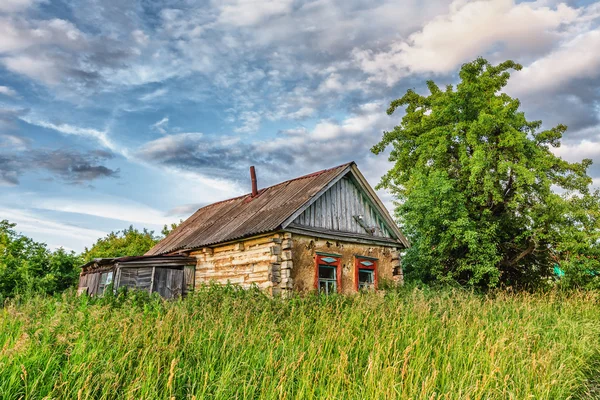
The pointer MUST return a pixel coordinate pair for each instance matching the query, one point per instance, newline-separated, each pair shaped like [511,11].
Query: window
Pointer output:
[327,279]
[365,273]
[328,274]
[105,280]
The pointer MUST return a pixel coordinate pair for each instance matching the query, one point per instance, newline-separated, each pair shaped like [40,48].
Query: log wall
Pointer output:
[255,261]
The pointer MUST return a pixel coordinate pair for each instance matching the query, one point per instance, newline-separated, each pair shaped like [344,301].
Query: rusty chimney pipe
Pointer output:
[253,178]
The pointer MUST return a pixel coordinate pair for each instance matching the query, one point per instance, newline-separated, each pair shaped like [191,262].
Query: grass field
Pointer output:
[223,343]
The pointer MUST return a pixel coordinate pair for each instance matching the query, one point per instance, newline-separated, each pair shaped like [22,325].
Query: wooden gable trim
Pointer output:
[377,204]
[300,210]
[343,236]
[370,195]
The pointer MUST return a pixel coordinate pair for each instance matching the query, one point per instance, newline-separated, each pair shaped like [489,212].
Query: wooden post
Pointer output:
[182,280]
[117,279]
[152,280]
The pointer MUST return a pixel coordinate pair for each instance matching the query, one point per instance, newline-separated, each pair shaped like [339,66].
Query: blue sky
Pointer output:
[138,112]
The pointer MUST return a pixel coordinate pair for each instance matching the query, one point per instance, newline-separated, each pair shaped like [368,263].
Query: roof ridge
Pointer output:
[217,221]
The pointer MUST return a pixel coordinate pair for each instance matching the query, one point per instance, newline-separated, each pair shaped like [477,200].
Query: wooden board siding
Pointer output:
[245,263]
[168,282]
[138,278]
[92,283]
[189,276]
[305,248]
[336,209]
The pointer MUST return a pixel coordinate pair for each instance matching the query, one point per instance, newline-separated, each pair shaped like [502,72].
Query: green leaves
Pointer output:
[28,266]
[474,182]
[128,242]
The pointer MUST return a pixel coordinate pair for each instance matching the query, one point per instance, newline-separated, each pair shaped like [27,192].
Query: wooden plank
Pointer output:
[323,219]
[190,273]
[345,209]
[117,278]
[82,281]
[93,281]
[182,283]
[343,236]
[336,206]
[152,279]
[315,197]
[177,283]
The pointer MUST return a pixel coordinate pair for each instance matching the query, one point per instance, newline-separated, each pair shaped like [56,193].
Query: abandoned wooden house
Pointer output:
[327,231]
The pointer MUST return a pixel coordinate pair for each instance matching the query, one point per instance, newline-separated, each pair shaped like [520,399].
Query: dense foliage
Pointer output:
[28,266]
[224,343]
[167,229]
[481,195]
[128,242]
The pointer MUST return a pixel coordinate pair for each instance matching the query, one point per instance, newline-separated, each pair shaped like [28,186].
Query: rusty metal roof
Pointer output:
[246,215]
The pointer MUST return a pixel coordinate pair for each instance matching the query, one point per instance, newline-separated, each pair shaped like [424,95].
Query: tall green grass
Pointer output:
[225,343]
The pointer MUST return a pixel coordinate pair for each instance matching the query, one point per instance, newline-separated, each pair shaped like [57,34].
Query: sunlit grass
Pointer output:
[224,343]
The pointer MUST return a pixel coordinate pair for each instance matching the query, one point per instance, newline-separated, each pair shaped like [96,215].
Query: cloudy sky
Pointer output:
[137,112]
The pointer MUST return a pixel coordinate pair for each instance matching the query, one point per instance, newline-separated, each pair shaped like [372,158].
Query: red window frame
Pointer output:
[358,265]
[338,269]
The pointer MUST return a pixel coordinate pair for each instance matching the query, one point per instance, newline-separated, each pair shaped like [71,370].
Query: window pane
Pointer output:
[327,281]
[326,272]
[366,279]
[365,275]
[330,287]
[322,286]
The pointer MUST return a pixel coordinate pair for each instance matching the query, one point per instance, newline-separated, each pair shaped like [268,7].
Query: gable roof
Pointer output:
[272,209]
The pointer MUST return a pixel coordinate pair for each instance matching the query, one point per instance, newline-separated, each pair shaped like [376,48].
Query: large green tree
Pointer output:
[28,266]
[480,194]
[128,242]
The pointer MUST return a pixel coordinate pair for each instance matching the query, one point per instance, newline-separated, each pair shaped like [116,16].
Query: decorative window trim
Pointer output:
[363,262]
[325,259]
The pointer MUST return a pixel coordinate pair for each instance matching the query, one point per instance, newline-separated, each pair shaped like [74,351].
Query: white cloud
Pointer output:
[140,37]
[154,95]
[575,59]
[251,12]
[352,126]
[8,6]
[172,143]
[250,122]
[161,126]
[39,68]
[54,233]
[468,30]
[349,139]
[18,34]
[5,90]
[101,137]
[579,151]
[12,142]
[121,209]
[303,112]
